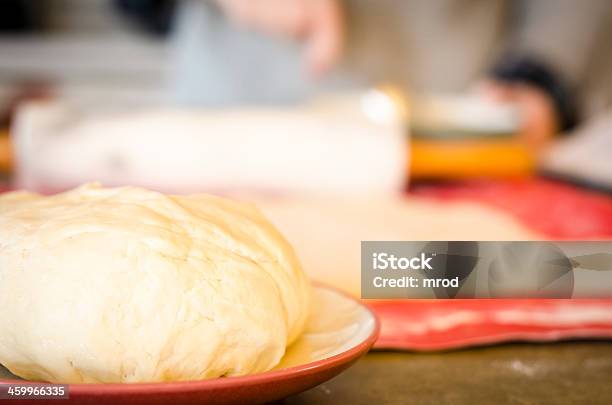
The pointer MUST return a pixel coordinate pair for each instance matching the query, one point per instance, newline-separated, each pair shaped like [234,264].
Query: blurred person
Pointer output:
[547,56]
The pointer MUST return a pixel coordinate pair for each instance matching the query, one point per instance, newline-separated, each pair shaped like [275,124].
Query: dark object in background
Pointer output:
[154,16]
[22,16]
[576,180]
[521,69]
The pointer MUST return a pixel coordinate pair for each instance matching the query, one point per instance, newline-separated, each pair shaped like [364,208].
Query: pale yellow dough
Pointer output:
[129,285]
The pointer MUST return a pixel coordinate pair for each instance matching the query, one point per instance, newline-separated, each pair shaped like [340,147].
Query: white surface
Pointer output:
[464,113]
[329,146]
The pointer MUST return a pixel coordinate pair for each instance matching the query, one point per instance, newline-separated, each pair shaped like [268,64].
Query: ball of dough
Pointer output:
[129,285]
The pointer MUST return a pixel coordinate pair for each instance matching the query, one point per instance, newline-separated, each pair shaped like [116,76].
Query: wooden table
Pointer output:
[557,373]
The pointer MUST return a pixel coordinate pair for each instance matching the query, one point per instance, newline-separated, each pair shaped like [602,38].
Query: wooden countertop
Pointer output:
[559,373]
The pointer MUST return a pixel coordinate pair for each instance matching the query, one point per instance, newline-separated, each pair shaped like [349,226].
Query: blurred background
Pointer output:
[446,119]
[478,89]
[344,121]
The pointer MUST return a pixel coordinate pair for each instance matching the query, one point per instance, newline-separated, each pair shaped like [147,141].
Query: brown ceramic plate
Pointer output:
[340,330]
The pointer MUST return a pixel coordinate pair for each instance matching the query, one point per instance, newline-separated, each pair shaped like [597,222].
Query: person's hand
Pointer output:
[318,23]
[539,119]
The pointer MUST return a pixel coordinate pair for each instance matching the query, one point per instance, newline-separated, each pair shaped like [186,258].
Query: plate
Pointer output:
[339,331]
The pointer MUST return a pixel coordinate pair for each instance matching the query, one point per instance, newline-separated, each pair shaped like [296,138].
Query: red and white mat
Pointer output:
[449,324]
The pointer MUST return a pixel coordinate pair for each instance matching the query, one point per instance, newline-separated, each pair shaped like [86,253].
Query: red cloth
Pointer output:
[448,324]
[557,210]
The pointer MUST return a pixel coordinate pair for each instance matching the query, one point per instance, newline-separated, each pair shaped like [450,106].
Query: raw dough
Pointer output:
[129,285]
